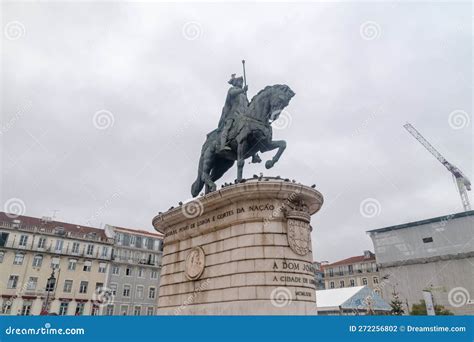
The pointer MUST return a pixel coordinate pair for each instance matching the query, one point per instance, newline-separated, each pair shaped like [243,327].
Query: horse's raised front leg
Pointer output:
[280,145]
[240,159]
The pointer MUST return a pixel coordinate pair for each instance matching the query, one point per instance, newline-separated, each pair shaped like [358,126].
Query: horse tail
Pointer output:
[199,183]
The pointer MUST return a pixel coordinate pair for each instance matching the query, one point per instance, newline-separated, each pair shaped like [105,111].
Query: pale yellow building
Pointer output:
[31,248]
[360,270]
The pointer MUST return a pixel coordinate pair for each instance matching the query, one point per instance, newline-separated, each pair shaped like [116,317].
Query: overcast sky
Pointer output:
[105,106]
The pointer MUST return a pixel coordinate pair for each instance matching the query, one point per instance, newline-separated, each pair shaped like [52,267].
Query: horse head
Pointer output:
[269,102]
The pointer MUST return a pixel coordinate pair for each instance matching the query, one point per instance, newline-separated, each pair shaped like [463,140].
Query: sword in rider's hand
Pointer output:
[245,78]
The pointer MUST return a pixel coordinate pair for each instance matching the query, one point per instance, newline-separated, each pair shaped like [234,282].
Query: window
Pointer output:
[115,270]
[63,308]
[109,310]
[128,272]
[331,285]
[149,311]
[427,239]
[75,248]
[67,286]
[124,310]
[2,255]
[126,291]
[90,249]
[133,238]
[3,239]
[102,267]
[151,293]
[341,270]
[6,306]
[41,242]
[364,281]
[113,289]
[126,240]
[351,269]
[79,309]
[83,287]
[140,272]
[352,282]
[154,274]
[71,266]
[23,240]
[50,284]
[341,283]
[32,283]
[137,311]
[18,259]
[55,262]
[26,308]
[59,245]
[87,266]
[376,280]
[119,238]
[12,282]
[149,243]
[138,242]
[105,251]
[331,272]
[98,286]
[37,260]
[139,292]
[95,310]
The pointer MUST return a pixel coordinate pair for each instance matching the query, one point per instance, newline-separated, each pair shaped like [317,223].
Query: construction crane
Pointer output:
[463,183]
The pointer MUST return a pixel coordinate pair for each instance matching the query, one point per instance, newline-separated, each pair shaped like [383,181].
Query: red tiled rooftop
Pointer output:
[27,221]
[351,260]
[140,231]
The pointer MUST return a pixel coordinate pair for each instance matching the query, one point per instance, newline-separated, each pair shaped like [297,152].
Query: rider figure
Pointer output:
[235,103]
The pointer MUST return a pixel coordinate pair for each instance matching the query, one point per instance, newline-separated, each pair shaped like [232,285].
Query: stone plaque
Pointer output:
[194,263]
[299,232]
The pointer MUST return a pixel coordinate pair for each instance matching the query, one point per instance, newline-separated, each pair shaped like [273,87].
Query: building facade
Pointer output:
[49,266]
[359,270]
[434,255]
[135,271]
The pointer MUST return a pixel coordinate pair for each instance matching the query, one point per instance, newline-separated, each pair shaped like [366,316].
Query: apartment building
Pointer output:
[360,270]
[50,267]
[135,271]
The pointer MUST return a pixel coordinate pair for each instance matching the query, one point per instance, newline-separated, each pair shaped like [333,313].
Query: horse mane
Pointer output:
[264,90]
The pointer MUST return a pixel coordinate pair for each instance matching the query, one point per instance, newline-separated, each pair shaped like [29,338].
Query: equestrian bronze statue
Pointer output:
[244,130]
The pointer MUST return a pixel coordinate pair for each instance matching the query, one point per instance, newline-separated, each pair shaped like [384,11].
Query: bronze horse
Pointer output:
[251,133]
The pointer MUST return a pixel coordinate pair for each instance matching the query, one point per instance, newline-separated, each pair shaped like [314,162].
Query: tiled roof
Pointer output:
[139,231]
[27,222]
[352,260]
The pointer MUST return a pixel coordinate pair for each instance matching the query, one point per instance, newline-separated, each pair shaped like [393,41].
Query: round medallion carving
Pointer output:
[195,263]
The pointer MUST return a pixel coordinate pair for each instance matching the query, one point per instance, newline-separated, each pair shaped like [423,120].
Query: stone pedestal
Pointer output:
[242,250]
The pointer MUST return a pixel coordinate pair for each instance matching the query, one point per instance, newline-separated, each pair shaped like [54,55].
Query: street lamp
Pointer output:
[50,285]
